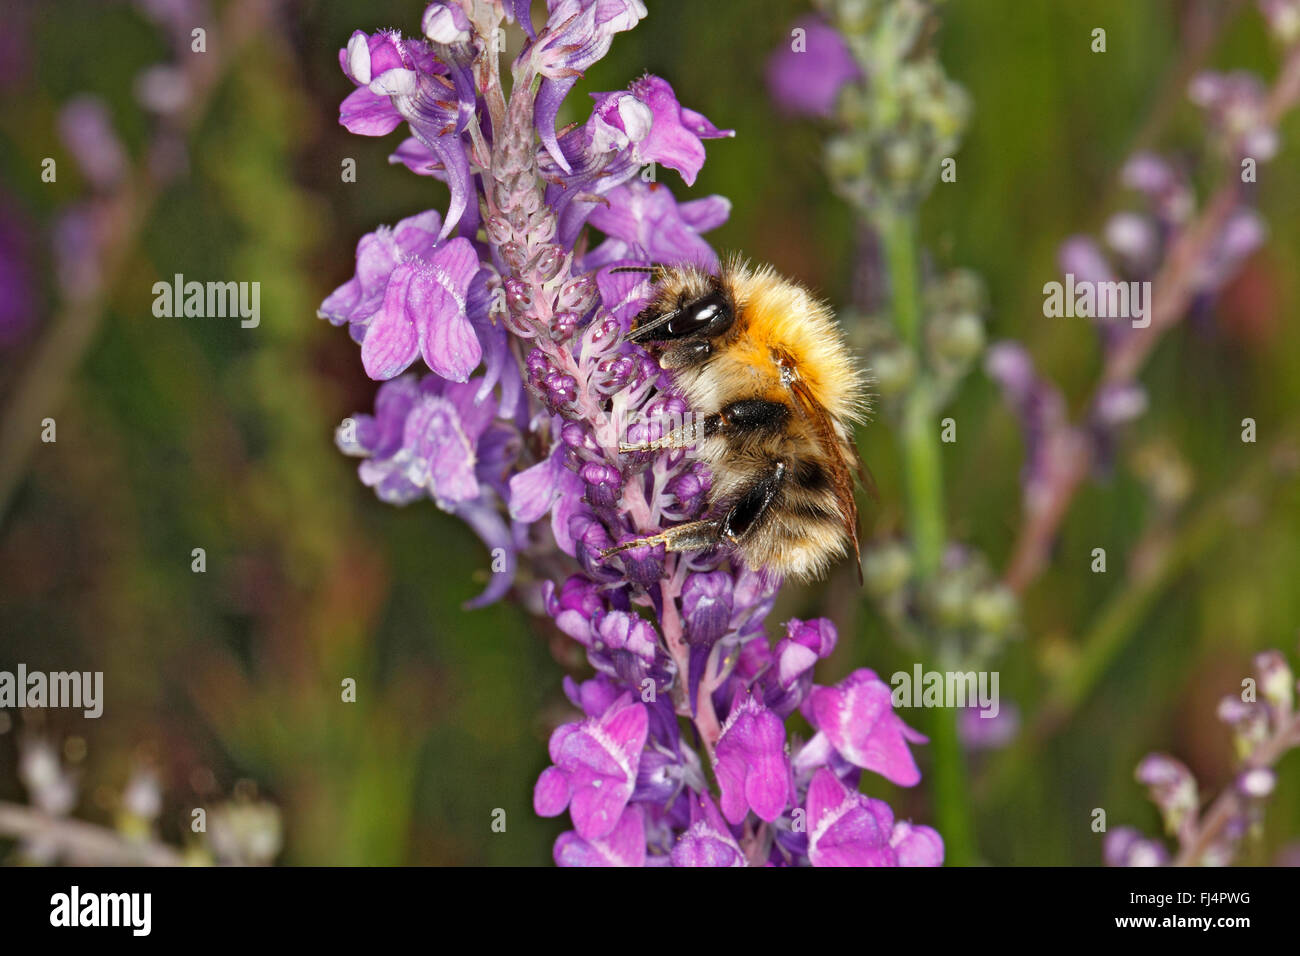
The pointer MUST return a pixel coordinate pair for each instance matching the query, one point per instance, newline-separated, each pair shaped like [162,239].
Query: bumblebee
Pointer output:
[776,392]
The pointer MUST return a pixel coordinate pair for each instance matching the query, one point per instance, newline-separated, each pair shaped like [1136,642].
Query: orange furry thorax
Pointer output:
[782,334]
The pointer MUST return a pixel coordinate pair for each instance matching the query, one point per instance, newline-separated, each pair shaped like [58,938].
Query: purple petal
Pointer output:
[547,108]
[670,141]
[751,765]
[448,341]
[418,158]
[518,11]
[368,114]
[708,841]
[917,845]
[624,846]
[392,340]
[858,718]
[551,794]
[846,828]
[444,453]
[362,296]
[487,523]
[647,223]
[533,490]
[602,760]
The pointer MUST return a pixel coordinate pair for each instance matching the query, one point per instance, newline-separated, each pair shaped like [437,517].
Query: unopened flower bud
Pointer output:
[994,610]
[1173,788]
[959,337]
[1257,783]
[445,23]
[902,160]
[1283,18]
[846,159]
[894,368]
[886,568]
[578,295]
[1276,681]
[706,606]
[563,325]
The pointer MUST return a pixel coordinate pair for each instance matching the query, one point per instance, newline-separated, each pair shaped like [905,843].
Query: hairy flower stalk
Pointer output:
[1265,726]
[681,755]
[1186,254]
[1186,251]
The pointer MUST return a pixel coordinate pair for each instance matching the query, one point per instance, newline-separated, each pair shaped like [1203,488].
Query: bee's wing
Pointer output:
[838,453]
[865,477]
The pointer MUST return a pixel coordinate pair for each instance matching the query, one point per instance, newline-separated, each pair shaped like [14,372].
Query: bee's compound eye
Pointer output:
[710,315]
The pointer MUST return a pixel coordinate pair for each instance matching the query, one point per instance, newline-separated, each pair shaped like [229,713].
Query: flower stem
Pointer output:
[922,466]
[951,789]
[84,844]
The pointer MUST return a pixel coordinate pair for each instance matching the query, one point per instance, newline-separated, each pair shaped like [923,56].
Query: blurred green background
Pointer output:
[182,433]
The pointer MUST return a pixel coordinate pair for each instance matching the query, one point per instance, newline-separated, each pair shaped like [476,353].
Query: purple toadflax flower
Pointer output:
[806,75]
[498,331]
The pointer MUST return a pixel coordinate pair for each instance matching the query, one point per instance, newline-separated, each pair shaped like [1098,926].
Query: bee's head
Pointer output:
[684,328]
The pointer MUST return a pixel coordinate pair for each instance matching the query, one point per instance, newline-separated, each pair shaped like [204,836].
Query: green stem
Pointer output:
[951,789]
[923,474]
[922,466]
[898,236]
[918,436]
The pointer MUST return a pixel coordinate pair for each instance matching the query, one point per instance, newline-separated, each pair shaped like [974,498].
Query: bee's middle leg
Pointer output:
[743,514]
[692,536]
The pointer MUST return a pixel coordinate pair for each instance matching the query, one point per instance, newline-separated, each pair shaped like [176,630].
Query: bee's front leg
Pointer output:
[683,437]
[749,415]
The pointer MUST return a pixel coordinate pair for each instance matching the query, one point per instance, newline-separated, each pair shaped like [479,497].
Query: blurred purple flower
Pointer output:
[87,131]
[979,732]
[806,75]
[1236,107]
[17,294]
[1037,403]
[1125,846]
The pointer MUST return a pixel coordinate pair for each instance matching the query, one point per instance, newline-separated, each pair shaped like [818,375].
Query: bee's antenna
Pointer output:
[653,324]
[649,270]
